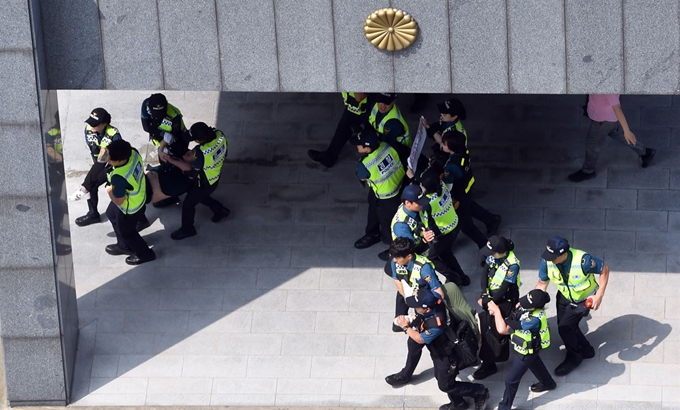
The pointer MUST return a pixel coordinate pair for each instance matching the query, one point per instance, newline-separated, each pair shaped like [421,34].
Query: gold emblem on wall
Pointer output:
[390,29]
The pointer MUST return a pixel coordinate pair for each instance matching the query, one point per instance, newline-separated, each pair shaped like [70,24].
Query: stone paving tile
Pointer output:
[279,366]
[606,198]
[629,220]
[344,367]
[213,366]
[314,345]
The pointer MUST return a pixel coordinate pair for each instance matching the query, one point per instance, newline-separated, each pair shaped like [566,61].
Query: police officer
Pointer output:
[451,114]
[203,164]
[165,125]
[98,135]
[127,191]
[355,114]
[573,272]
[441,225]
[529,334]
[406,221]
[385,117]
[428,328]
[381,168]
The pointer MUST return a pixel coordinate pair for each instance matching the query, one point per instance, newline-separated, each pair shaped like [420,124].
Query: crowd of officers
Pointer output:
[418,213]
[130,186]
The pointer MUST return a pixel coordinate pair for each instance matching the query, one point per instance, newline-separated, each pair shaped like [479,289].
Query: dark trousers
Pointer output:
[467,225]
[568,317]
[198,194]
[442,250]
[480,213]
[520,365]
[380,214]
[95,178]
[342,133]
[447,383]
[597,133]
[125,228]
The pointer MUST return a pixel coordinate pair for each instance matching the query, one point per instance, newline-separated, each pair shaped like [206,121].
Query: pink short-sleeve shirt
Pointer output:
[600,107]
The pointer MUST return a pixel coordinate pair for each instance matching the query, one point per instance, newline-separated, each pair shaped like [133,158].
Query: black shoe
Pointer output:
[480,402]
[540,387]
[220,214]
[492,228]
[321,157]
[579,176]
[567,366]
[648,157]
[136,260]
[166,202]
[88,220]
[366,241]
[397,329]
[182,233]
[484,371]
[142,225]
[384,255]
[588,352]
[463,405]
[459,279]
[396,380]
[116,250]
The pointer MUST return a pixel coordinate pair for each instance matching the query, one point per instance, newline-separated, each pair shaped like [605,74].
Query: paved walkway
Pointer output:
[274,306]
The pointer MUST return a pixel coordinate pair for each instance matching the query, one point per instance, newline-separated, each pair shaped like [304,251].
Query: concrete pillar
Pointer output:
[38,312]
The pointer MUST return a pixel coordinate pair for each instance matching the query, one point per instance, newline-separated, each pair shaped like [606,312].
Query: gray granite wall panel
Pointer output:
[35,368]
[31,181]
[19,103]
[72,41]
[594,46]
[131,44]
[536,43]
[34,314]
[360,65]
[651,46]
[304,39]
[424,67]
[14,21]
[479,51]
[189,45]
[255,67]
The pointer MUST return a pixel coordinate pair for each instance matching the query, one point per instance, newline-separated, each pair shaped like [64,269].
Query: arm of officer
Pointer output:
[117,190]
[543,279]
[604,279]
[412,333]
[501,326]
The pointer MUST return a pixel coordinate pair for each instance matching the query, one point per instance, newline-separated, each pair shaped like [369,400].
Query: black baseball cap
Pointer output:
[367,138]
[385,98]
[495,244]
[97,117]
[534,299]
[453,106]
[157,105]
[423,298]
[556,246]
[414,193]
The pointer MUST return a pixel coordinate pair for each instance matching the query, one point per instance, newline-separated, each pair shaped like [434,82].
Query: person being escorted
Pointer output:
[529,334]
[382,170]
[607,120]
[573,272]
[203,164]
[127,190]
[451,114]
[428,328]
[385,117]
[353,117]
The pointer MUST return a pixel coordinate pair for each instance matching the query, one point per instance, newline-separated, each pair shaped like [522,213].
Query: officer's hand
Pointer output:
[410,173]
[438,137]
[479,302]
[428,236]
[597,299]
[493,307]
[162,155]
[402,321]
[424,122]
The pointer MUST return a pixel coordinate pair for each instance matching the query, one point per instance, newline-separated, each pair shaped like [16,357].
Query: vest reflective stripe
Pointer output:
[502,271]
[579,285]
[133,172]
[170,113]
[522,340]
[356,107]
[411,278]
[468,179]
[393,113]
[443,211]
[458,126]
[413,224]
[55,133]
[106,138]
[386,171]
[214,153]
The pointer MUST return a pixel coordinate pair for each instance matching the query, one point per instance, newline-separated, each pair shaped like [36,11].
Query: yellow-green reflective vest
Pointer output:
[133,172]
[55,133]
[214,153]
[502,271]
[411,278]
[166,125]
[352,105]
[523,340]
[579,284]
[458,126]
[386,171]
[443,212]
[404,139]
[413,224]
[107,136]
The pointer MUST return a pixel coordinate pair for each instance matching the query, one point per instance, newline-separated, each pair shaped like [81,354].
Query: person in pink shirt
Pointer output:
[607,119]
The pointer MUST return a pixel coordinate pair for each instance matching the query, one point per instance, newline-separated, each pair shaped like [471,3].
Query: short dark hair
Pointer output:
[119,150]
[402,247]
[454,140]
[201,132]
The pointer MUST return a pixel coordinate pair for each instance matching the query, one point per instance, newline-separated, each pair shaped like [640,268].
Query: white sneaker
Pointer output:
[79,194]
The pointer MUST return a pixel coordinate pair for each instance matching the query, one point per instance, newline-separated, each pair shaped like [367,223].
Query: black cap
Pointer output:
[366,138]
[158,104]
[97,117]
[556,247]
[535,299]
[414,193]
[422,298]
[495,244]
[453,107]
[385,98]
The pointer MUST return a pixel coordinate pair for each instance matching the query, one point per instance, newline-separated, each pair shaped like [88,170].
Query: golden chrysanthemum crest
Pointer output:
[390,29]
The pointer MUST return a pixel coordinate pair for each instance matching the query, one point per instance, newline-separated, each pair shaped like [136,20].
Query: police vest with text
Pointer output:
[171,114]
[133,173]
[500,272]
[579,284]
[394,112]
[414,225]
[386,171]
[527,342]
[410,278]
[214,153]
[98,141]
[442,211]
[352,105]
